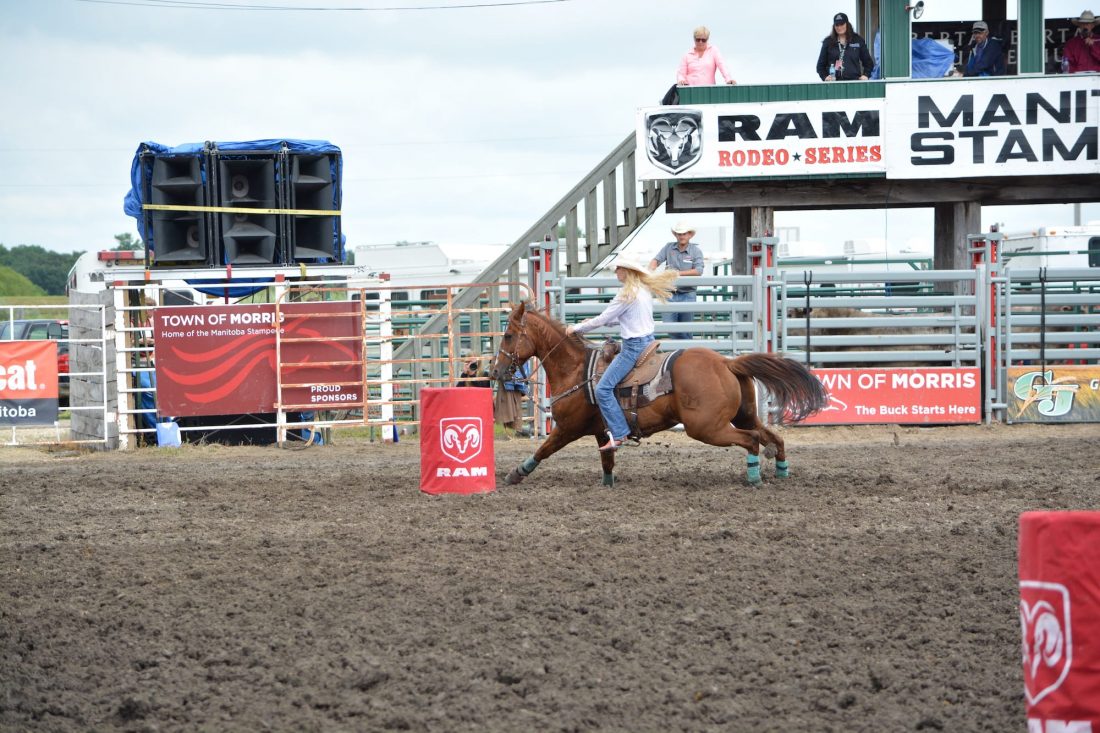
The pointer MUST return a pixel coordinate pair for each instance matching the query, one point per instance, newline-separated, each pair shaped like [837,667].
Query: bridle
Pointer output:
[514,362]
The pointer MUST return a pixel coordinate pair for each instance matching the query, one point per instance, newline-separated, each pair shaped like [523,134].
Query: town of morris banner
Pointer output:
[1023,126]
[221,360]
[816,137]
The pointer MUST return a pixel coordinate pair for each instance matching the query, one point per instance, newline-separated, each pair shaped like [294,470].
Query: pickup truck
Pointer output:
[36,329]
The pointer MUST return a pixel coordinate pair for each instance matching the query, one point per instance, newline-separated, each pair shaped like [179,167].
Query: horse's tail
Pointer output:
[798,393]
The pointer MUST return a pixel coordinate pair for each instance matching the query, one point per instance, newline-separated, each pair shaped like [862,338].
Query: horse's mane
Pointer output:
[544,317]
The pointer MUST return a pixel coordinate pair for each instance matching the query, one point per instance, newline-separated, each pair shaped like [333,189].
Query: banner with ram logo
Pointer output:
[456,440]
[795,138]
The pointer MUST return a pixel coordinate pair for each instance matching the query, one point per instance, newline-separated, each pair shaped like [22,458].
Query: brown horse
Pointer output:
[713,396]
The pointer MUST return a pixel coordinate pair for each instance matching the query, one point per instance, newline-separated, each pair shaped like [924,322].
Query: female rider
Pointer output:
[632,310]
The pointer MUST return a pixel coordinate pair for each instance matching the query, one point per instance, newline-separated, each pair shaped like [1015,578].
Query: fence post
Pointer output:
[122,370]
[762,264]
[984,250]
[546,255]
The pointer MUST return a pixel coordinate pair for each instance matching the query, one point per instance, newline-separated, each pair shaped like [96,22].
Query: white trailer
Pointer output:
[1054,246]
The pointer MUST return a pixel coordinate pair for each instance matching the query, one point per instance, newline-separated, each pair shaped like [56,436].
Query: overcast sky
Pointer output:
[458,125]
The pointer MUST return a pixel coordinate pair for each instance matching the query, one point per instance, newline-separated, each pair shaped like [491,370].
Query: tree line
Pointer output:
[45,270]
[29,269]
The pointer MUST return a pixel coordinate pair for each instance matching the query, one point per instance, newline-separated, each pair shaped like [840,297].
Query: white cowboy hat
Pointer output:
[1086,17]
[682,227]
[629,263]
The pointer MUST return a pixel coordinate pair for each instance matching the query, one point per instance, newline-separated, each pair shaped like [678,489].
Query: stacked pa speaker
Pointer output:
[183,234]
[314,186]
[242,207]
[249,232]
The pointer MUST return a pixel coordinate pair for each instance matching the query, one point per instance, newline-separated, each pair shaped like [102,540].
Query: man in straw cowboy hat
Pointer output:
[632,310]
[685,258]
[1082,52]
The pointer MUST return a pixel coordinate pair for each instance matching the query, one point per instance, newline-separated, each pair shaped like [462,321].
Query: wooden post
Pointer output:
[749,221]
[953,223]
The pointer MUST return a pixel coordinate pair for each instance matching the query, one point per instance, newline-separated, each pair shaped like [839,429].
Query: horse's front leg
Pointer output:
[607,457]
[554,442]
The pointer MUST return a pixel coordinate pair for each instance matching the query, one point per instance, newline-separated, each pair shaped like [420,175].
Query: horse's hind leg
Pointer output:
[748,419]
[782,468]
[726,435]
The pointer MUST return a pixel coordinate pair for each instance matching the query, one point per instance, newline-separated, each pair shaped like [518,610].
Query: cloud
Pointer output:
[455,125]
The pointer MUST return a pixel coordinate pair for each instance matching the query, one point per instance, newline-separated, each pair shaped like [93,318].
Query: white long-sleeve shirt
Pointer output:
[634,318]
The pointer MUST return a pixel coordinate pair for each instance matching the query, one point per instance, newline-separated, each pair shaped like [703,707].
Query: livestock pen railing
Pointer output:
[361,320]
[389,386]
[727,317]
[83,355]
[930,317]
[996,320]
[1045,335]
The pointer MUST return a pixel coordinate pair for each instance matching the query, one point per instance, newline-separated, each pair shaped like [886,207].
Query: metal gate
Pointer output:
[83,386]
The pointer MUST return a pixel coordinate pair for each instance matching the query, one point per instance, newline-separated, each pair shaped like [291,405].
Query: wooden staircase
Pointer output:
[591,208]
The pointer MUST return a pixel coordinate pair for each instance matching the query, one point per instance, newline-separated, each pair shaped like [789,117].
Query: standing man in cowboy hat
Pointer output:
[1082,52]
[987,54]
[687,259]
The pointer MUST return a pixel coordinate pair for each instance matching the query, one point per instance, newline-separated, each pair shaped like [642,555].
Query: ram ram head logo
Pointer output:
[1047,637]
[674,140]
[460,437]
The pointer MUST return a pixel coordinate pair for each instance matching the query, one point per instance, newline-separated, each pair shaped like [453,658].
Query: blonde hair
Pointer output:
[701,31]
[659,284]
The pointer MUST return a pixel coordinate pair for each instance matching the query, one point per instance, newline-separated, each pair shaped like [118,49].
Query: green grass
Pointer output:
[34,306]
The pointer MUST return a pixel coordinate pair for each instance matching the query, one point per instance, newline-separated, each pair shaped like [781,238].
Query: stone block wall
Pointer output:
[90,390]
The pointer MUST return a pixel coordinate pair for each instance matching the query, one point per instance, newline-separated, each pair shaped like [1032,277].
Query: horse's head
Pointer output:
[516,346]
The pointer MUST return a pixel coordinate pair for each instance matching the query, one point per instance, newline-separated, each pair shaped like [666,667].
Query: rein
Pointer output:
[514,359]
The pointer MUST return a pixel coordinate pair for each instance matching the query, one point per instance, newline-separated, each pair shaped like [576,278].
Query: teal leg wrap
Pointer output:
[782,469]
[528,466]
[753,463]
[609,479]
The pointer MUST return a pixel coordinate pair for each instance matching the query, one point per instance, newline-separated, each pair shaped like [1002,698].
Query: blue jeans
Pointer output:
[680,317]
[605,390]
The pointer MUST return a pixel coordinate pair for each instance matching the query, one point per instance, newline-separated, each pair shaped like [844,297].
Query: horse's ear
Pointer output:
[521,307]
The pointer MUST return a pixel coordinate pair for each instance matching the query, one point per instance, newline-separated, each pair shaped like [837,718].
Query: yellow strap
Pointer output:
[241,210]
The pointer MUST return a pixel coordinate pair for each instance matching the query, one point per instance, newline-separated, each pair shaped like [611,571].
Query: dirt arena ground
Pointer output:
[216,588]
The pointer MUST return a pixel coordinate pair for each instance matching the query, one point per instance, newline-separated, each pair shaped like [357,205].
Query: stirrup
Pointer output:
[614,444]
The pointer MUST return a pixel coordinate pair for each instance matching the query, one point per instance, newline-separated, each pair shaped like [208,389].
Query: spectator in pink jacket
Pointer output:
[699,64]
[1082,52]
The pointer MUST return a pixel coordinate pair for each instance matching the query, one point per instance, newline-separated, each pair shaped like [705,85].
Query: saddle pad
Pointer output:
[650,380]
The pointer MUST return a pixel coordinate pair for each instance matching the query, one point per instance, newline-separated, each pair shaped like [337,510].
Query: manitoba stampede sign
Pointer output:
[943,129]
[1007,127]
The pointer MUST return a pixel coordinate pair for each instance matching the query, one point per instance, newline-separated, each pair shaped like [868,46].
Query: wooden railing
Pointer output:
[594,201]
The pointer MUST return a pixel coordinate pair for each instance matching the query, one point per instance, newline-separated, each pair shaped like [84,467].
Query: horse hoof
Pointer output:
[609,479]
[514,477]
[782,469]
[769,451]
[754,477]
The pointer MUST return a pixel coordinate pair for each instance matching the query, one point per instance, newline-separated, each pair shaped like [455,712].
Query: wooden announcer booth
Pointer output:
[950,143]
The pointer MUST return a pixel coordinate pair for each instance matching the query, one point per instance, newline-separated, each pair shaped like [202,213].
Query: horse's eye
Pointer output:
[507,337]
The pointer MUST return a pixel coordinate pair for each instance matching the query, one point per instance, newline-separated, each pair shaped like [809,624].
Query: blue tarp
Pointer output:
[133,201]
[931,59]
